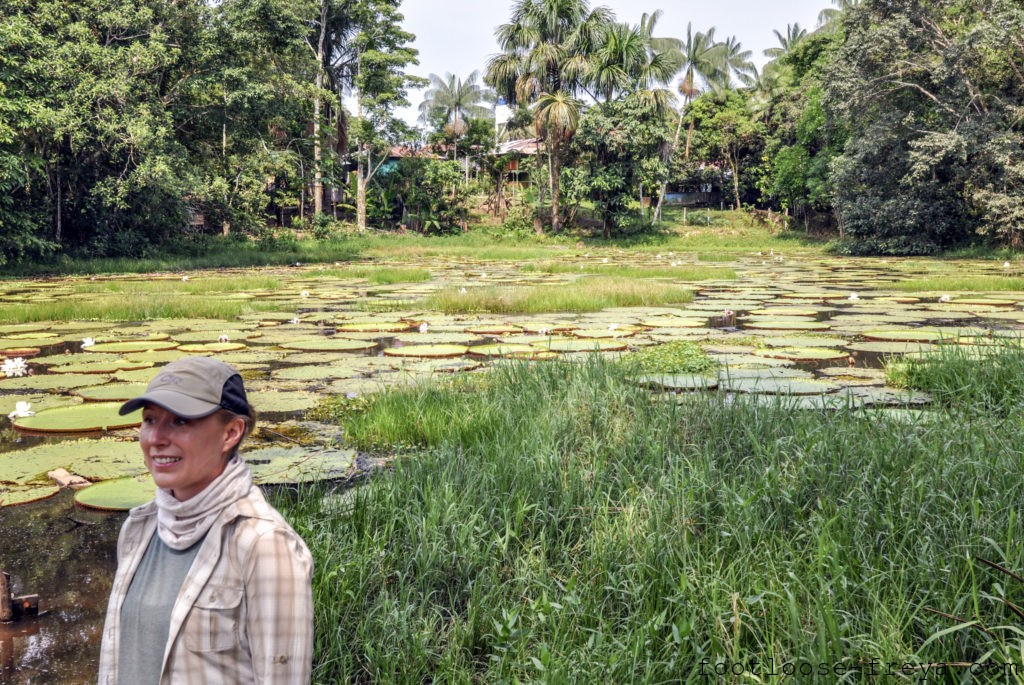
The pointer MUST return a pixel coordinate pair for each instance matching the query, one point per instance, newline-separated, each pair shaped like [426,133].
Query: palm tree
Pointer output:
[631,60]
[794,34]
[451,100]
[557,116]
[703,63]
[829,17]
[737,61]
[546,48]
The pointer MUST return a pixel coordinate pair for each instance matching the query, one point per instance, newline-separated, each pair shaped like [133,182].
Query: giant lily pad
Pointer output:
[325,344]
[427,351]
[111,392]
[119,494]
[51,381]
[777,386]
[801,354]
[677,382]
[12,494]
[127,346]
[579,345]
[277,465]
[214,347]
[83,418]
[503,350]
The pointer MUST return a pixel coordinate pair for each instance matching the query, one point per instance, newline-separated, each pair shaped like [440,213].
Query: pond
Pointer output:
[814,330]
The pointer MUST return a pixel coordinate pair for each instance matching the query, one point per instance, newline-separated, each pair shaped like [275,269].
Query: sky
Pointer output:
[457,36]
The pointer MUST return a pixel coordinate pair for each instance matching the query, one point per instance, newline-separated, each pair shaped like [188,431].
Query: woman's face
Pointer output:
[186,455]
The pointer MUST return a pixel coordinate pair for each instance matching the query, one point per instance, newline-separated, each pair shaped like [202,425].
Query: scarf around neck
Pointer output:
[182,524]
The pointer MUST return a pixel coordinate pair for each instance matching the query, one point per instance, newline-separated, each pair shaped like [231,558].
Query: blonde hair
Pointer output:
[249,420]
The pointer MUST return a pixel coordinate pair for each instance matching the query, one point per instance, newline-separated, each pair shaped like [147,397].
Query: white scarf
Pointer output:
[182,524]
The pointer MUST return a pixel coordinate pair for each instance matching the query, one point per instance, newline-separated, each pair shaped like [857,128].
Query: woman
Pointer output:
[222,592]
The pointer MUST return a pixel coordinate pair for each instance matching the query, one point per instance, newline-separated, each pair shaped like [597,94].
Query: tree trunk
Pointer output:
[556,221]
[362,173]
[672,153]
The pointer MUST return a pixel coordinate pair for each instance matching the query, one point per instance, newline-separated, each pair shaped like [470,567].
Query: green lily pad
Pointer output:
[674,322]
[126,346]
[780,325]
[801,354]
[427,351]
[374,326]
[277,465]
[104,366]
[325,344]
[677,382]
[213,336]
[778,386]
[51,381]
[119,494]
[503,350]
[111,392]
[604,333]
[283,401]
[12,494]
[579,345]
[83,418]
[214,347]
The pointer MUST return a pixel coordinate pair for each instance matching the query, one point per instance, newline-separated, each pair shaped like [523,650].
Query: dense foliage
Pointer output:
[896,126]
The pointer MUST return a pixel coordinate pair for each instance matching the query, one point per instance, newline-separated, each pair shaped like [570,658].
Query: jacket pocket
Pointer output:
[212,625]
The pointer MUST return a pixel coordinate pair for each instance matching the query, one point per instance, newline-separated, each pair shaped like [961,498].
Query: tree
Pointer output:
[380,83]
[703,62]
[794,34]
[451,102]
[932,93]
[546,48]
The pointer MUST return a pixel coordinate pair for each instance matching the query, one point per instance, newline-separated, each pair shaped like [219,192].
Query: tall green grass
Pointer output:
[588,294]
[681,273]
[379,275]
[552,523]
[133,306]
[959,283]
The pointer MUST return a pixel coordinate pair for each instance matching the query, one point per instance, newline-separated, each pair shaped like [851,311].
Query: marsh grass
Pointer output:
[588,294]
[681,273]
[551,523]
[132,306]
[959,283]
[379,275]
[984,378]
[204,283]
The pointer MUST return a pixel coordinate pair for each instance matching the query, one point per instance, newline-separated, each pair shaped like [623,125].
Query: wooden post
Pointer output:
[6,610]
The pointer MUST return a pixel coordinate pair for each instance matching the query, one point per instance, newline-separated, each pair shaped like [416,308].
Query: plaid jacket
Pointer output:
[245,611]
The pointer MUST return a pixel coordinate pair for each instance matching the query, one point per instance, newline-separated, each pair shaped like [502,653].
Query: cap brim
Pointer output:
[181,405]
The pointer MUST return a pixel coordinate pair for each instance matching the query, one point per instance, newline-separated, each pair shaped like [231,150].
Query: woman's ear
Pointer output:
[233,432]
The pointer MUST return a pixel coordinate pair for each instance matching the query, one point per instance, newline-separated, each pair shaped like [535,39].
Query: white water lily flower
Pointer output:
[657,256]
[1006,265]
[224,338]
[304,294]
[612,327]
[424,327]
[21,409]
[294,319]
[15,367]
[483,275]
[462,291]
[604,261]
[945,298]
[853,296]
[184,279]
[88,342]
[543,331]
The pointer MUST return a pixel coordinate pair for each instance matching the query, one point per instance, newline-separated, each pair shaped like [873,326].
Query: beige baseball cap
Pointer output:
[194,387]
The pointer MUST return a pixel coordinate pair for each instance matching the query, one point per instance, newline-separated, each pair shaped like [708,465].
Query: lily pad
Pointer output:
[51,381]
[12,494]
[427,351]
[214,347]
[87,417]
[579,345]
[780,325]
[801,354]
[503,350]
[778,386]
[325,344]
[111,392]
[127,346]
[119,494]
[677,382]
[283,401]
[276,465]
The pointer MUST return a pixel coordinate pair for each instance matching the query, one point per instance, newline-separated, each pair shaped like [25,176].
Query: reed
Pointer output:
[589,294]
[552,523]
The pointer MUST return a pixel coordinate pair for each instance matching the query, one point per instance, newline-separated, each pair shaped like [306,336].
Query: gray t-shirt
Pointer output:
[146,611]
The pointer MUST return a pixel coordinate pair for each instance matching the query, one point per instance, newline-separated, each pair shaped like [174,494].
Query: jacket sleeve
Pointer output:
[279,598]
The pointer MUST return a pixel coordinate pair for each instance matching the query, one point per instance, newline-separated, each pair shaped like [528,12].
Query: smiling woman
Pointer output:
[212,583]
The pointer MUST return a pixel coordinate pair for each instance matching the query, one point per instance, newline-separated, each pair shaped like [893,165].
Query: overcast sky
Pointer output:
[457,36]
